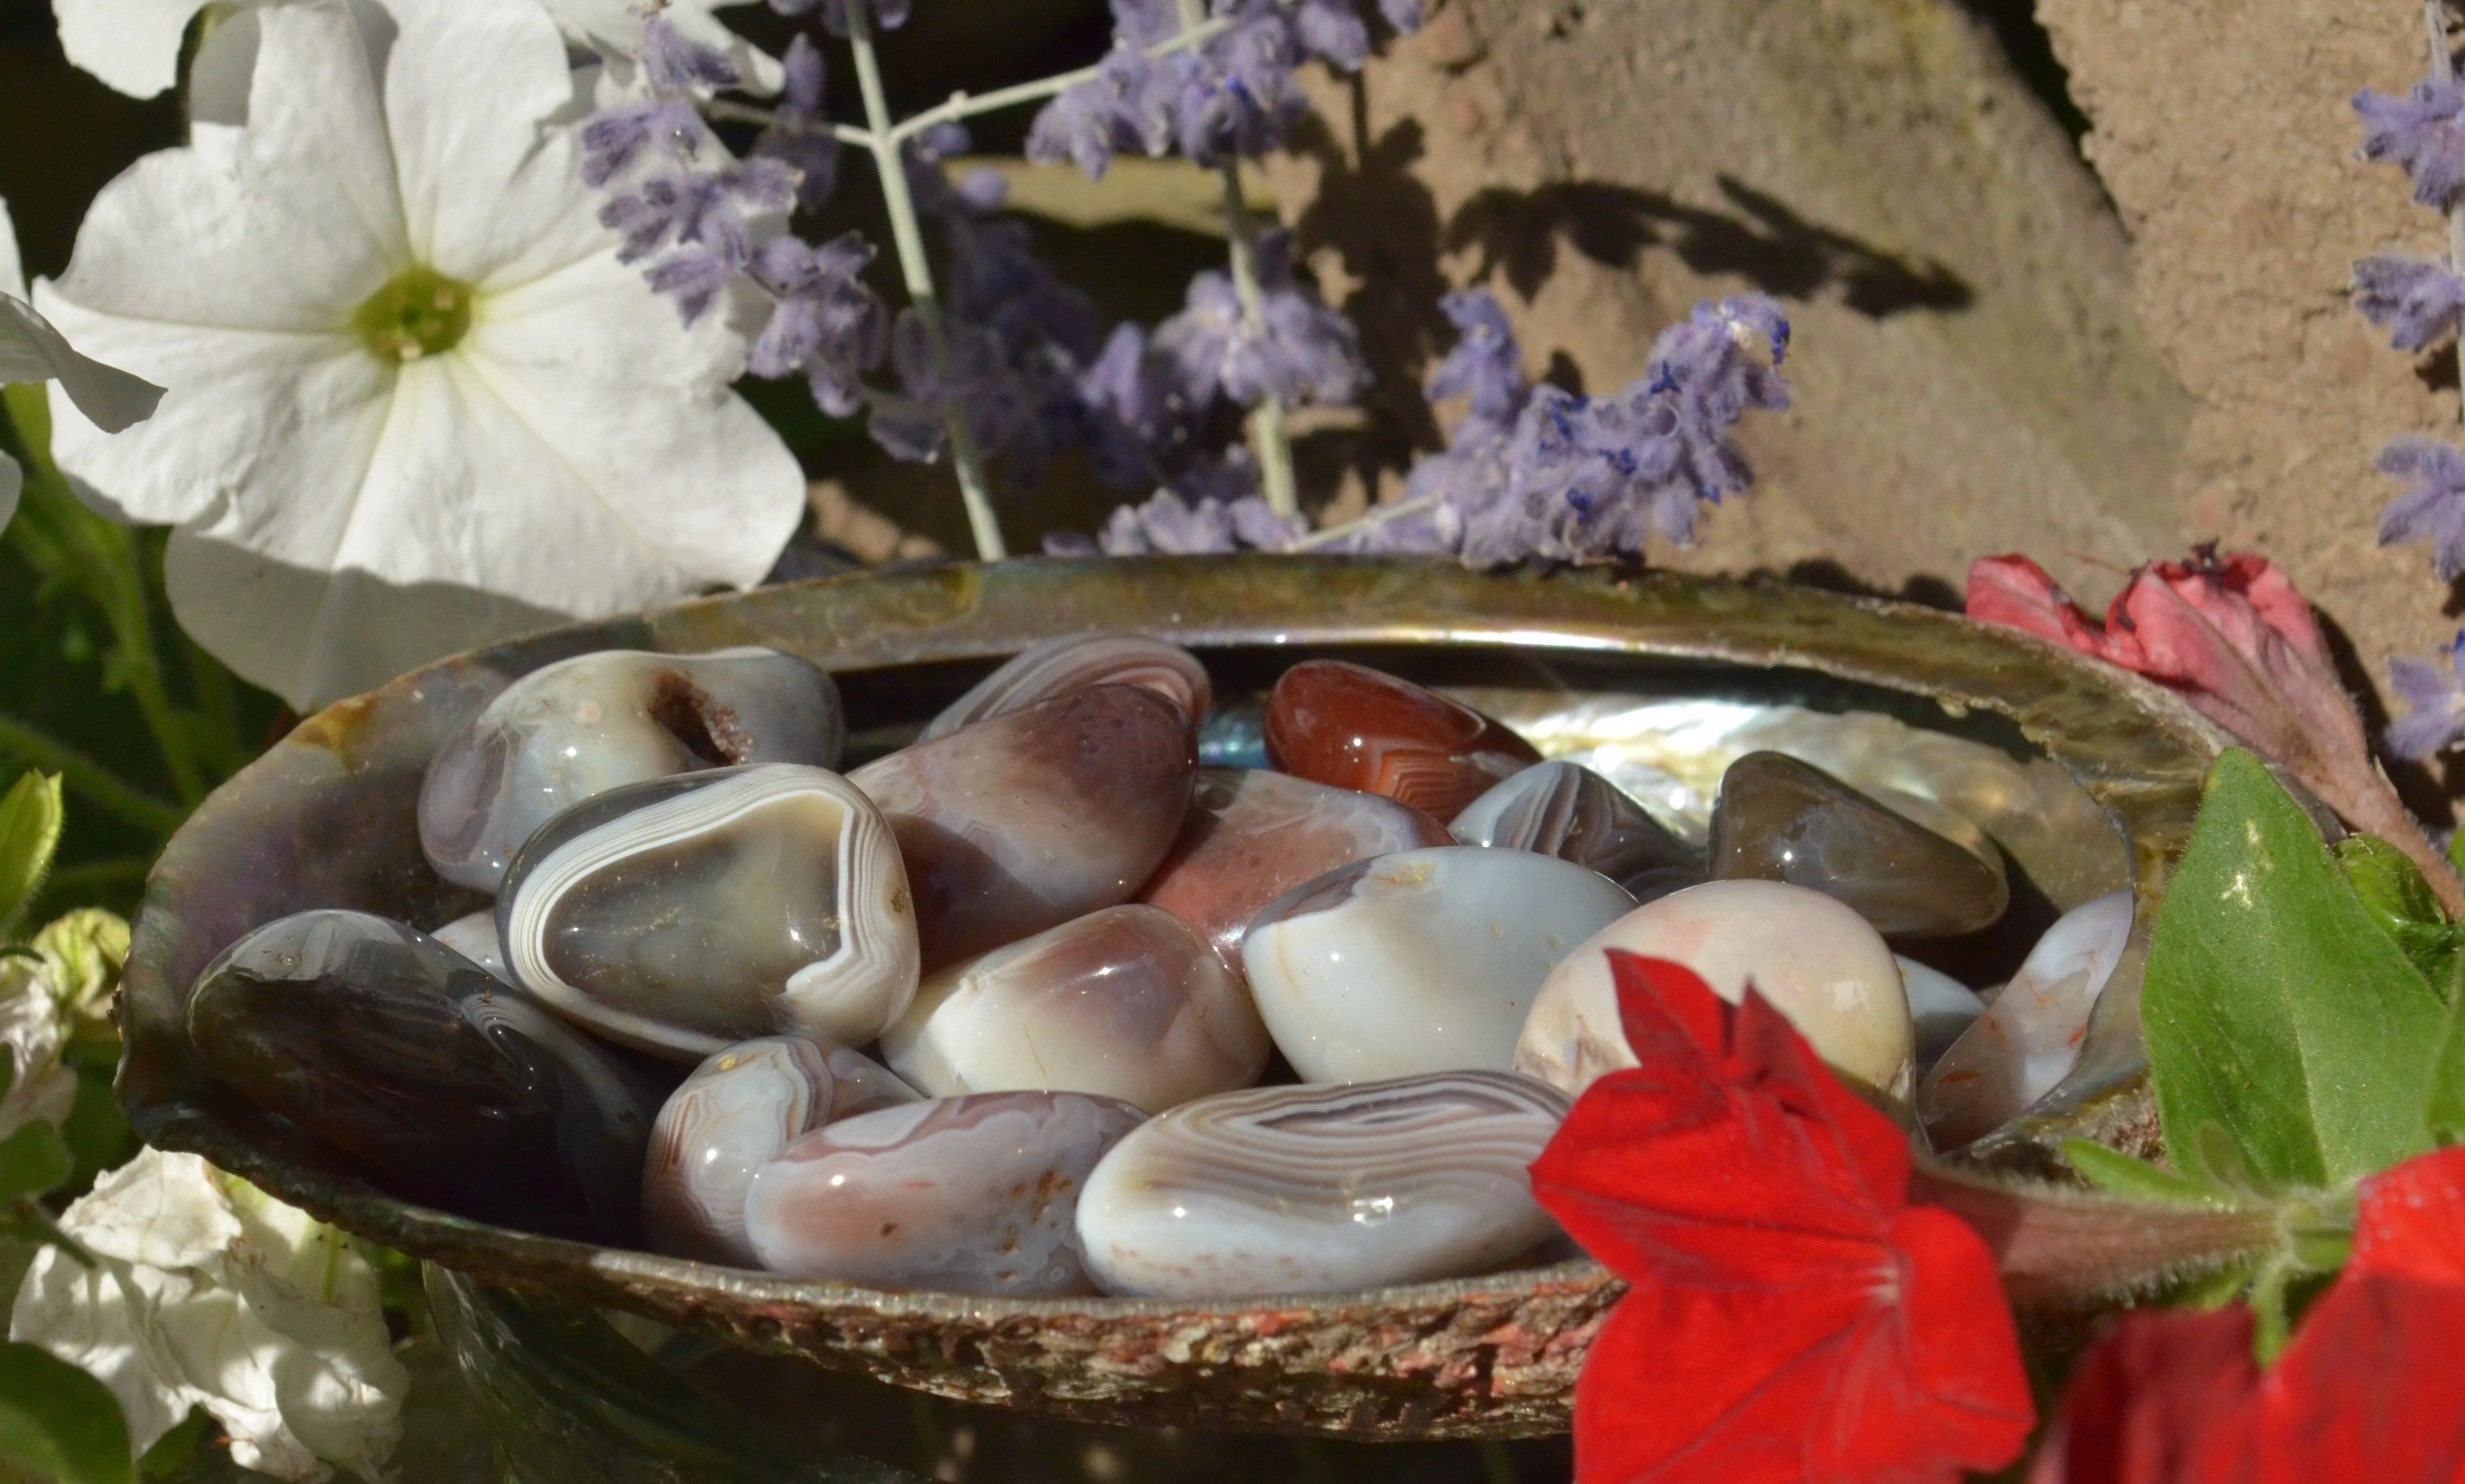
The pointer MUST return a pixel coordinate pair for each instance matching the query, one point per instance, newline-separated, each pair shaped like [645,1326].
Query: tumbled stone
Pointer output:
[1057,666]
[1282,1190]
[572,730]
[740,1110]
[1126,1002]
[1422,961]
[684,915]
[446,1085]
[1234,736]
[1355,727]
[1027,820]
[1253,836]
[1779,819]
[968,1195]
[1940,1008]
[475,938]
[2030,1036]
[1820,964]
[1562,810]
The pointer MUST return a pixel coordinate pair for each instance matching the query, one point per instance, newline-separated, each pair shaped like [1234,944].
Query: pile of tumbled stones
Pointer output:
[1041,1004]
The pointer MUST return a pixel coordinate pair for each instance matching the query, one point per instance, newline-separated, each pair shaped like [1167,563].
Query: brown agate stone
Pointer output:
[1353,727]
[1253,836]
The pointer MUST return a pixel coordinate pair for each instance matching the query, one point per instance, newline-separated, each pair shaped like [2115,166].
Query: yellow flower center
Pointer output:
[421,312]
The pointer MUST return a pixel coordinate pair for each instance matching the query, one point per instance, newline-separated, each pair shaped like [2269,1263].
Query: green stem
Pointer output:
[100,785]
[907,236]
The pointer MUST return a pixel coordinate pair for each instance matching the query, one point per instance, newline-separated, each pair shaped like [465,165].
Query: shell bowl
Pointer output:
[2086,777]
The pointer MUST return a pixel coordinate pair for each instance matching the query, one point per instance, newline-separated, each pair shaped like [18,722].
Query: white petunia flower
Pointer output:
[134,45]
[32,1033]
[31,350]
[205,1292]
[417,403]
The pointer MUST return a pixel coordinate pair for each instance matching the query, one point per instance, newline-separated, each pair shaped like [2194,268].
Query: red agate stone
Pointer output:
[1354,727]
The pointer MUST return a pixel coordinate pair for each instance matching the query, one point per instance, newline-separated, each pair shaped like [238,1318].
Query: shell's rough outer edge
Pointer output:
[324,819]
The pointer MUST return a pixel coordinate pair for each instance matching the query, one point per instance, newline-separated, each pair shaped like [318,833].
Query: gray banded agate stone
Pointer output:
[685,915]
[1570,811]
[475,938]
[968,1195]
[1319,1190]
[574,729]
[1421,960]
[1125,1003]
[1056,667]
[740,1110]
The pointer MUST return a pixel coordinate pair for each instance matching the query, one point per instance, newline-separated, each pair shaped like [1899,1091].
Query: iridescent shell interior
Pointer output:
[2087,779]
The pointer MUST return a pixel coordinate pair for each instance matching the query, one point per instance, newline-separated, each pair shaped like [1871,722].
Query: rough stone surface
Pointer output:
[1970,375]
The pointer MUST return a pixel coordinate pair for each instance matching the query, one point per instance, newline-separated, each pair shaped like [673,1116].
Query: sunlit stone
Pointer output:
[574,729]
[1422,961]
[1356,727]
[1253,836]
[1125,1003]
[1027,820]
[1319,1190]
[444,1084]
[1057,666]
[1940,1008]
[475,938]
[2030,1036]
[1820,964]
[1779,819]
[1558,809]
[688,914]
[968,1195]
[740,1110]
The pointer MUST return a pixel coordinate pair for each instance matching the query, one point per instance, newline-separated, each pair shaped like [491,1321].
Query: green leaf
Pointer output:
[2444,1111]
[61,1422]
[2394,892]
[2136,1180]
[32,1160]
[29,834]
[2276,1008]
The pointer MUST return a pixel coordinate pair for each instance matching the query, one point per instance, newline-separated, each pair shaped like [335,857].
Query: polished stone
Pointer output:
[1421,960]
[1562,810]
[2031,1035]
[1355,727]
[475,938]
[688,914]
[1253,836]
[1820,964]
[1027,820]
[1941,1009]
[1057,666]
[1779,819]
[1234,736]
[442,1083]
[966,1195]
[1282,1190]
[740,1110]
[572,730]
[1126,1002]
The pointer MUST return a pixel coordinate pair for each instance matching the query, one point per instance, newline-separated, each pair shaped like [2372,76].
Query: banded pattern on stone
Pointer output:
[1057,666]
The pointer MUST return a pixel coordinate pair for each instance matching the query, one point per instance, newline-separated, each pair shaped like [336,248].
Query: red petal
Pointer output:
[2156,1402]
[2411,1221]
[1953,1356]
[1669,1015]
[2017,593]
[2372,1387]
[1769,1055]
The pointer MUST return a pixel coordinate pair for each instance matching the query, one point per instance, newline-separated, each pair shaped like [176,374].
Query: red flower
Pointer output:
[2372,1389]
[2232,637]
[1791,1317]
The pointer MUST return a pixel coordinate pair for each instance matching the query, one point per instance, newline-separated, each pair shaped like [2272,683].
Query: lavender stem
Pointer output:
[734,112]
[907,236]
[967,105]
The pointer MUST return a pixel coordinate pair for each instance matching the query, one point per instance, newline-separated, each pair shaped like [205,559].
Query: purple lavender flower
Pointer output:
[2423,132]
[2433,509]
[2436,694]
[1331,31]
[885,14]
[801,139]
[1405,16]
[674,63]
[1136,422]
[825,324]
[621,138]
[1300,350]
[2418,302]
[714,210]
[1234,96]
[1169,524]
[1485,366]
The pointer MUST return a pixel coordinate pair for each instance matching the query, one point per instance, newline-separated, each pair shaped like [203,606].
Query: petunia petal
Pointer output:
[2368,1388]
[2411,1221]
[2149,1403]
[132,45]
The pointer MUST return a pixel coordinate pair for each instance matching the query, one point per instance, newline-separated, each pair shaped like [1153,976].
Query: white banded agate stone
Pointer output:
[1941,1009]
[1126,1002]
[572,730]
[475,938]
[682,915]
[1819,962]
[967,1195]
[1075,662]
[1318,1189]
[1420,961]
[2030,1036]
[740,1110]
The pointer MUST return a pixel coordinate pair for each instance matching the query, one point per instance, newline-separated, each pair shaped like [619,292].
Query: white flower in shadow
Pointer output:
[207,1292]
[417,403]
[31,350]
